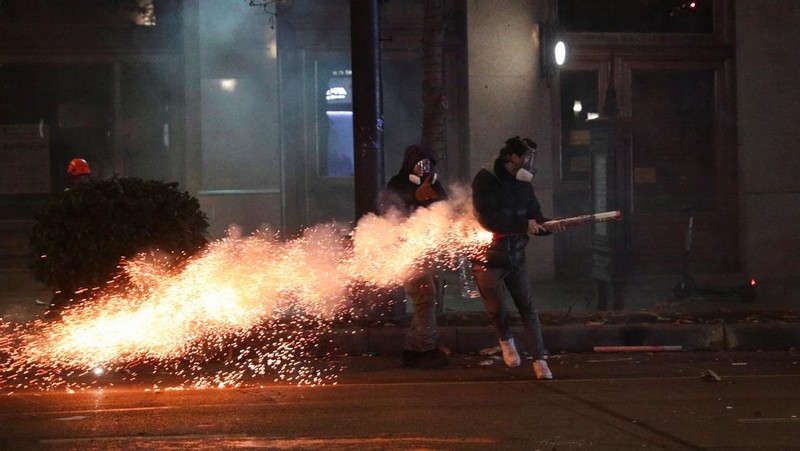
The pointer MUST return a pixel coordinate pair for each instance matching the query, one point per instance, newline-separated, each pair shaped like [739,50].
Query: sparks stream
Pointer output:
[241,309]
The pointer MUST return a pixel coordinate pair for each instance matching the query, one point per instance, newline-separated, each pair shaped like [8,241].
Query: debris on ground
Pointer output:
[670,316]
[711,374]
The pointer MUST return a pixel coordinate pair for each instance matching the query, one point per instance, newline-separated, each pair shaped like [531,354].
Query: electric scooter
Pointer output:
[687,286]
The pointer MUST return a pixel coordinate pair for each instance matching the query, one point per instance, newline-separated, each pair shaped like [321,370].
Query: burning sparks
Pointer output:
[242,309]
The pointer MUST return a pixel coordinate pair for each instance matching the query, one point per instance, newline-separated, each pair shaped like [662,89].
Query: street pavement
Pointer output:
[735,383]
[662,400]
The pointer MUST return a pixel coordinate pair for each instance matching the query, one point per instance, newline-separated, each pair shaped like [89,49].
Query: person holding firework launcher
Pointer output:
[505,204]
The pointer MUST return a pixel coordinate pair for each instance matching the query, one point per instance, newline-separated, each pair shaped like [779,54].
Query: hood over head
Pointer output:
[414,154]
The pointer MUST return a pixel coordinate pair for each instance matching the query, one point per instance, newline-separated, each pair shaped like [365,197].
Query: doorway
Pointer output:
[682,158]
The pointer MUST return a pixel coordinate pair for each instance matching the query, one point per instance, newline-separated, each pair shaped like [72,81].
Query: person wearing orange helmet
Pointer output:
[79,172]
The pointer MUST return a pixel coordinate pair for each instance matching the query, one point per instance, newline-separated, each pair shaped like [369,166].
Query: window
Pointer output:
[335,120]
[636,16]
[339,114]
[86,12]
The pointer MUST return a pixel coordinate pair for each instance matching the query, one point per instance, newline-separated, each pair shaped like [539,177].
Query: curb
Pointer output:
[762,337]
[580,338]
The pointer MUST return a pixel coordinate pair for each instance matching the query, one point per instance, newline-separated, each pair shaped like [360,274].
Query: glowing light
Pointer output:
[577,107]
[590,116]
[273,48]
[228,84]
[336,93]
[560,52]
[144,13]
[259,306]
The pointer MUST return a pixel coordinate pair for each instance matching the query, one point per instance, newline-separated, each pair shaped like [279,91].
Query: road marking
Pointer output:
[199,441]
[769,420]
[92,411]
[77,417]
[139,409]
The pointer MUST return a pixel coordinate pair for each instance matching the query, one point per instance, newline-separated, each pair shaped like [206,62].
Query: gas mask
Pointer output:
[525,166]
[421,171]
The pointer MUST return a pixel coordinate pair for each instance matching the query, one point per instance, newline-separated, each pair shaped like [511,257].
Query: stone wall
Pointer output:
[507,98]
[768,93]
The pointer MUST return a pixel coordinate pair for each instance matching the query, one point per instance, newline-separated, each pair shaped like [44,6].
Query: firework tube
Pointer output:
[615,215]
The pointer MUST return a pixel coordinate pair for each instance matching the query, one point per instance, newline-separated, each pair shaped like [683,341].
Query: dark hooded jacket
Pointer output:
[503,205]
[400,190]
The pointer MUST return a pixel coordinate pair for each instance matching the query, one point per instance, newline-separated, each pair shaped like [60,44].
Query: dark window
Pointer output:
[88,12]
[636,16]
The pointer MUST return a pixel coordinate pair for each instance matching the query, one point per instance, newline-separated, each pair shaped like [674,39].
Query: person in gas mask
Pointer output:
[417,185]
[505,204]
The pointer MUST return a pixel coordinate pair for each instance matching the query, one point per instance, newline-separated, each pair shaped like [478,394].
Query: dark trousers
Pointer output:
[495,284]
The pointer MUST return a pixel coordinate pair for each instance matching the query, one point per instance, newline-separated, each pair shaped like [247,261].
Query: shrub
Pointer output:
[80,236]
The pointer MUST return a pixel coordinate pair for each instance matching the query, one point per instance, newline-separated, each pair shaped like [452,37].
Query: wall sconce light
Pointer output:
[228,84]
[552,50]
[560,52]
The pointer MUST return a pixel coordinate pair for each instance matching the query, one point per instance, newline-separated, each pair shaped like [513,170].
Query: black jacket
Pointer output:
[503,205]
[400,190]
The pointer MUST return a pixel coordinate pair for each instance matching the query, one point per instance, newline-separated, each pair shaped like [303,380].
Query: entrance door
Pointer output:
[683,159]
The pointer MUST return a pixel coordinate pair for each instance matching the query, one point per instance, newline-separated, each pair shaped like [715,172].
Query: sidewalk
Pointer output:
[571,322]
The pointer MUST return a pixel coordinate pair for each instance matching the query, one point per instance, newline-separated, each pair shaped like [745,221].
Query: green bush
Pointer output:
[80,236]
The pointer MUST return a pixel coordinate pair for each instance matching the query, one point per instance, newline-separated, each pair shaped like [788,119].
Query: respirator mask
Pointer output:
[421,171]
[526,170]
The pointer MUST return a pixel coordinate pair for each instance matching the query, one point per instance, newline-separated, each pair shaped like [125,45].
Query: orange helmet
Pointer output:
[78,166]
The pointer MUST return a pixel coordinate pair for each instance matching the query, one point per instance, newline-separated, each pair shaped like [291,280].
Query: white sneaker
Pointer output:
[510,354]
[541,370]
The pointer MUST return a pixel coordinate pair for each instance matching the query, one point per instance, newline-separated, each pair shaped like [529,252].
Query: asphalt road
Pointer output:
[603,401]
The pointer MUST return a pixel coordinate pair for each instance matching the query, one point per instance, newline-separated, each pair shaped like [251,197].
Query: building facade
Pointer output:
[248,109]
